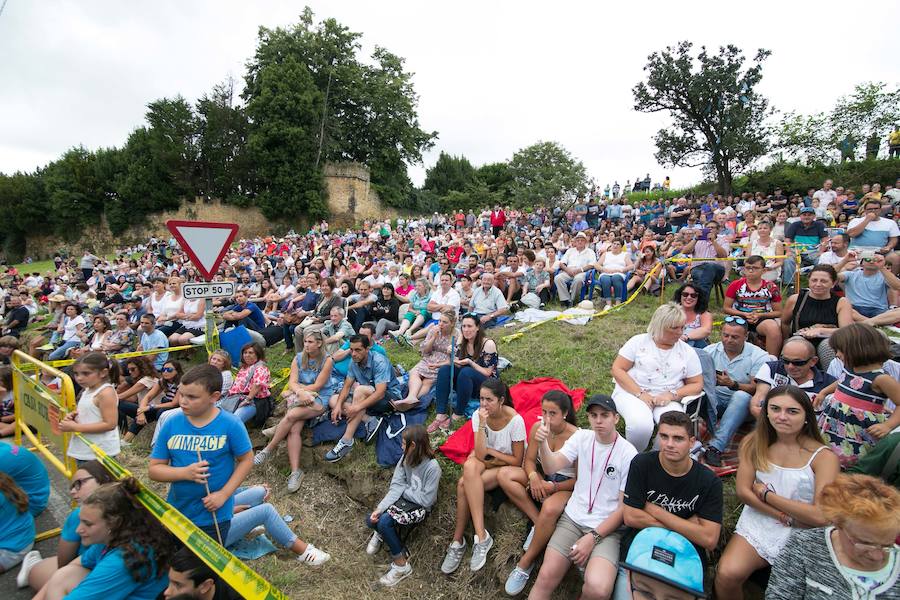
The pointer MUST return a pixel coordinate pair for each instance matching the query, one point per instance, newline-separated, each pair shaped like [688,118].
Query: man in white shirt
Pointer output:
[487,301]
[508,277]
[839,247]
[826,195]
[874,231]
[589,531]
[442,297]
[572,268]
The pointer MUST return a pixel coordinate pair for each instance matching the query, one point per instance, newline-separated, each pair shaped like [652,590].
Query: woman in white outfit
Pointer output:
[653,372]
[765,245]
[784,465]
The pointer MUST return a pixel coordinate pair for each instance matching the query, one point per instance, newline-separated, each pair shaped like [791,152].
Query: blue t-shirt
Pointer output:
[255,315]
[29,473]
[870,292]
[110,579]
[157,339]
[69,532]
[219,442]
[341,366]
[17,528]
[377,370]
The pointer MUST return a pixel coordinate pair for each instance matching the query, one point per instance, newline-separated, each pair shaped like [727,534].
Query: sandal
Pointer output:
[439,423]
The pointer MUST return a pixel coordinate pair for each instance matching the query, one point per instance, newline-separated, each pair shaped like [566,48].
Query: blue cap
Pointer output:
[666,556]
[807,209]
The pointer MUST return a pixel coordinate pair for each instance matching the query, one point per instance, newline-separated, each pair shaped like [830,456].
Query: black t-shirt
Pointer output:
[21,315]
[699,492]
[660,229]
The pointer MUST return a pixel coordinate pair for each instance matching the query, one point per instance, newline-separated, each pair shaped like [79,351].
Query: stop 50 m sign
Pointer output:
[220,289]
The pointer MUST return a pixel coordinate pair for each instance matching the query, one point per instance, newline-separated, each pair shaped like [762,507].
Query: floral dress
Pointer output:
[427,368]
[845,417]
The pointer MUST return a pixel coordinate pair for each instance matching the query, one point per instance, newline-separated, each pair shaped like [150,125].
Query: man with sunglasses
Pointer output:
[797,366]
[736,363]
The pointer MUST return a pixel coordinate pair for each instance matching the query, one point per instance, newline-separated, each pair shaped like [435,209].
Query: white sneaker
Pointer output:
[269,431]
[395,575]
[528,539]
[31,559]
[454,556]
[294,479]
[374,544]
[480,549]
[313,556]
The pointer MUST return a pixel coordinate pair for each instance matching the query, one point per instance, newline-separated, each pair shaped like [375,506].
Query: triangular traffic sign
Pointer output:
[204,242]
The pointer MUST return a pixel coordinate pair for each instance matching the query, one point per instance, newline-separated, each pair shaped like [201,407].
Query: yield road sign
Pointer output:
[205,242]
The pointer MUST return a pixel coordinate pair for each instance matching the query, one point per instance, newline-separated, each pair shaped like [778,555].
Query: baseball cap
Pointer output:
[601,400]
[807,209]
[668,557]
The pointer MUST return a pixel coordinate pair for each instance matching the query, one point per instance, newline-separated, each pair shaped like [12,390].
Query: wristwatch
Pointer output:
[735,386]
[597,536]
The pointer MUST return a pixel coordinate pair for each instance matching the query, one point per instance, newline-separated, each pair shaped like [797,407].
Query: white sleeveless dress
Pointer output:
[88,412]
[766,534]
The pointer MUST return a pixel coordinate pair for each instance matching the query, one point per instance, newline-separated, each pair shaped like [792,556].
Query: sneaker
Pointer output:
[340,450]
[528,539]
[374,544]
[313,556]
[454,556]
[31,559]
[395,575]
[480,551]
[293,482]
[372,427]
[269,431]
[261,457]
[713,456]
[517,580]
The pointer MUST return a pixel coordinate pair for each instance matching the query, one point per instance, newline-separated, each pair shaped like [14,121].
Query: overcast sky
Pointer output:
[492,77]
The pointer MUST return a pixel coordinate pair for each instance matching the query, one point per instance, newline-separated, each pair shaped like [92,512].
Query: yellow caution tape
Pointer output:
[124,355]
[244,580]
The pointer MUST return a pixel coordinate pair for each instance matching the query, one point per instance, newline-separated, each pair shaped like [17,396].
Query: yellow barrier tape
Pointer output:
[686,260]
[565,317]
[244,580]
[124,355]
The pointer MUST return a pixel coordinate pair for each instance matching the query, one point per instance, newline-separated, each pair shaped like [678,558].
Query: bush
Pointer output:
[796,177]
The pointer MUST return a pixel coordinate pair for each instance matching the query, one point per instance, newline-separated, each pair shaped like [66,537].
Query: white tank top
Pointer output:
[171,305]
[615,260]
[89,412]
[191,306]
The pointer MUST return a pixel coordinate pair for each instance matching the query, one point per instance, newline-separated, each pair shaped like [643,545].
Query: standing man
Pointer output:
[87,264]
[376,388]
[667,488]
[498,220]
[826,195]
[737,363]
[572,268]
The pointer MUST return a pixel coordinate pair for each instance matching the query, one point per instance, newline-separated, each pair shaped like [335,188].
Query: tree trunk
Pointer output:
[324,114]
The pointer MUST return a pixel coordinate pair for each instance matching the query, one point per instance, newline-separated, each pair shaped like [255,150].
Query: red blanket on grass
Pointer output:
[526,397]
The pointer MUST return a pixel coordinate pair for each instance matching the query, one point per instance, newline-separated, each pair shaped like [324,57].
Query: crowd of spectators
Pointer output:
[801,372]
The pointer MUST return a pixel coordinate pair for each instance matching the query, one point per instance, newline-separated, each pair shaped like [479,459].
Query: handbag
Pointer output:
[231,402]
[407,512]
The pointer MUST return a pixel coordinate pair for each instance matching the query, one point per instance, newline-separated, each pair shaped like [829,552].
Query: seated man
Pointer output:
[151,339]
[572,268]
[663,564]
[706,245]
[245,313]
[487,301]
[874,231]
[589,539]
[867,288]
[809,235]
[757,301]
[358,304]
[371,398]
[797,366]
[736,362]
[336,329]
[667,488]
[509,278]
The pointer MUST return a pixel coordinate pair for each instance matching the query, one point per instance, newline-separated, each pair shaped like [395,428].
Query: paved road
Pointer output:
[57,510]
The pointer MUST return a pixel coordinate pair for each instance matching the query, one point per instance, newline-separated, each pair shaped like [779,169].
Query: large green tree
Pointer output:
[449,173]
[223,162]
[718,115]
[545,173]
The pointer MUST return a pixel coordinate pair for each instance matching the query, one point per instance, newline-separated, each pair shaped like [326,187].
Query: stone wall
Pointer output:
[351,200]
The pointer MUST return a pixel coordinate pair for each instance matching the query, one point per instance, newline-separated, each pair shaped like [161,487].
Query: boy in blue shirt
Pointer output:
[202,449]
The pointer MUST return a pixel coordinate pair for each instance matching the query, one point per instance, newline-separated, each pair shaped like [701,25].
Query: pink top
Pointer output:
[261,377]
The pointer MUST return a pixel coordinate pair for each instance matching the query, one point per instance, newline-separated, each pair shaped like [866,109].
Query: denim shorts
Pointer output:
[9,559]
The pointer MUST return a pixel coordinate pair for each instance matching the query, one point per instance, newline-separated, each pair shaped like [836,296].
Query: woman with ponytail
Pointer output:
[128,553]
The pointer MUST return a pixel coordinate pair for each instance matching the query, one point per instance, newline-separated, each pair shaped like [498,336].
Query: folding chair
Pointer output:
[693,406]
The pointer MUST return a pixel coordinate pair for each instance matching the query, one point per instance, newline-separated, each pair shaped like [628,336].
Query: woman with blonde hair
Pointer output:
[435,354]
[784,465]
[654,372]
[854,557]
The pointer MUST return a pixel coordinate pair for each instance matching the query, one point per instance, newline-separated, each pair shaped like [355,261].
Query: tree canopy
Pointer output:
[718,116]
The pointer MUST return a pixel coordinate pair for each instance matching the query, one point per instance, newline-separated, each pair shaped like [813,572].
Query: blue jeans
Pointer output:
[210,530]
[245,413]
[611,286]
[788,268]
[260,513]
[736,411]
[387,529]
[468,383]
[60,353]
[706,274]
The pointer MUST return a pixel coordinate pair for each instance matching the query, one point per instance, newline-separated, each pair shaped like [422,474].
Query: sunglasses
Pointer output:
[77,483]
[690,295]
[168,369]
[738,320]
[796,363]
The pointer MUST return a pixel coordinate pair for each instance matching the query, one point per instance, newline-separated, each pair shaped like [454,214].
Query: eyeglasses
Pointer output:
[77,483]
[168,369]
[864,547]
[738,320]
[690,295]
[796,362]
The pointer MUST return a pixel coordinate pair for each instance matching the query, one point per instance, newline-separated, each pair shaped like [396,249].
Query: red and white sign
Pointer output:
[204,242]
